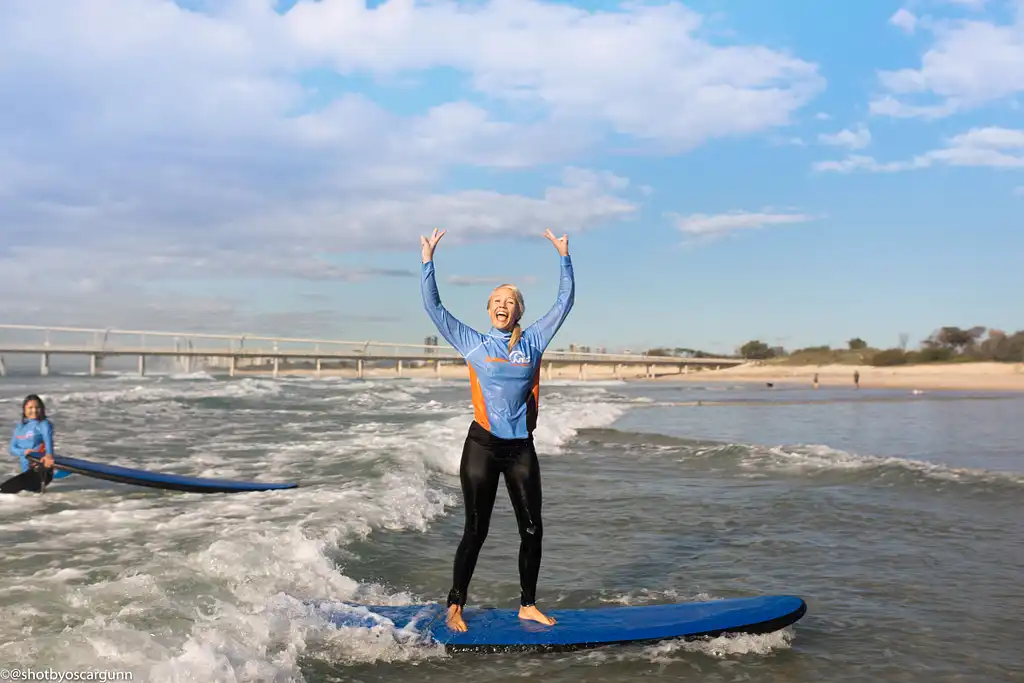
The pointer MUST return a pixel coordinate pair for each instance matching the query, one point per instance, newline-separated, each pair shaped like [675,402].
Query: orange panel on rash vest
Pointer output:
[505,385]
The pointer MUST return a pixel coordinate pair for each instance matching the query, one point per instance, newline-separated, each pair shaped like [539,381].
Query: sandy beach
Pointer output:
[937,376]
[954,376]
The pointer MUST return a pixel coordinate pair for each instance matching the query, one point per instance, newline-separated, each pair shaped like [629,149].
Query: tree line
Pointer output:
[947,344]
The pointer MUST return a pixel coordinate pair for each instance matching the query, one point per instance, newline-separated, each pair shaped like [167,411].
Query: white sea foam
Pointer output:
[153,392]
[819,458]
[215,588]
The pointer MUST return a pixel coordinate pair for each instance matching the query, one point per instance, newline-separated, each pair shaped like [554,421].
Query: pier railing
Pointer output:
[218,350]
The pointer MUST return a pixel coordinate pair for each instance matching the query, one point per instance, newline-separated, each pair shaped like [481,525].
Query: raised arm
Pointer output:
[464,338]
[545,329]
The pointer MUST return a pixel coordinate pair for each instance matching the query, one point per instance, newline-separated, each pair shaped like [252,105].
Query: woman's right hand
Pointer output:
[428,244]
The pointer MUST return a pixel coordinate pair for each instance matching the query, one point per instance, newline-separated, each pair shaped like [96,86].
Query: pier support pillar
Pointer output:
[618,371]
[359,368]
[398,367]
[3,368]
[650,371]
[94,364]
[142,365]
[232,362]
[319,368]
[583,371]
[686,369]
[547,371]
[437,369]
[277,365]
[44,365]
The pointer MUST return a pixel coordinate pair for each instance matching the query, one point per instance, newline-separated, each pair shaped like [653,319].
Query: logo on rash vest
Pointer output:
[518,357]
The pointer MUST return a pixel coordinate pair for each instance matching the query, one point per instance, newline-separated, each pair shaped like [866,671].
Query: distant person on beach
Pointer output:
[815,380]
[33,434]
[856,379]
[504,373]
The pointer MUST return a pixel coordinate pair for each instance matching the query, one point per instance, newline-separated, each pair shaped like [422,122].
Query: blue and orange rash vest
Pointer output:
[505,386]
[29,435]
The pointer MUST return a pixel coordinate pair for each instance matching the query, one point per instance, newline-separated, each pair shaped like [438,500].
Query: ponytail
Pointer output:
[517,332]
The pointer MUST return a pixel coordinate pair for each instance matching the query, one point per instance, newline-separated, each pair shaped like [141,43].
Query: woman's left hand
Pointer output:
[47,461]
[561,243]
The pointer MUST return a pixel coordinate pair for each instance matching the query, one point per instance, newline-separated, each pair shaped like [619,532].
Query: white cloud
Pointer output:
[288,240]
[705,227]
[641,71]
[971,63]
[854,139]
[822,116]
[990,147]
[149,309]
[859,162]
[904,19]
[151,141]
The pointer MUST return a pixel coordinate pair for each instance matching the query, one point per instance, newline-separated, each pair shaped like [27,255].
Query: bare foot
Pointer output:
[534,614]
[455,621]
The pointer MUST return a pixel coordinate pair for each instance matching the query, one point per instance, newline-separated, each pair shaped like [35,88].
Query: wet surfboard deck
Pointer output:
[494,629]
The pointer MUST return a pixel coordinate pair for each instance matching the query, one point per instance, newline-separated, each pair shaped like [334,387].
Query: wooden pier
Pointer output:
[195,351]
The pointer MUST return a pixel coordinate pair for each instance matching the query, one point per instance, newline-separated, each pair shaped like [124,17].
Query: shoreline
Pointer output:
[976,376]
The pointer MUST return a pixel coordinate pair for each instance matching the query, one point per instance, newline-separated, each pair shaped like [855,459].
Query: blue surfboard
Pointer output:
[498,630]
[171,482]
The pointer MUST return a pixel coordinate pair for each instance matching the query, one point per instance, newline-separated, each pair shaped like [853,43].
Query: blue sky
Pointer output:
[796,172]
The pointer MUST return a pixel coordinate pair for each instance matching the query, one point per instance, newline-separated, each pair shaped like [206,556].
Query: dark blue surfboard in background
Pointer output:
[159,480]
[496,630]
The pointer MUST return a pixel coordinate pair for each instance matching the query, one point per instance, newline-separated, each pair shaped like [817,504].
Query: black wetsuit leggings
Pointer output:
[33,479]
[484,457]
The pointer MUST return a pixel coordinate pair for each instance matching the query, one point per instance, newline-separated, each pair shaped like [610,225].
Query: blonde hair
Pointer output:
[517,331]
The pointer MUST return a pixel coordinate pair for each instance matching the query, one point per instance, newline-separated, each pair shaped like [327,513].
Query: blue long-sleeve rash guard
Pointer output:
[30,434]
[505,385]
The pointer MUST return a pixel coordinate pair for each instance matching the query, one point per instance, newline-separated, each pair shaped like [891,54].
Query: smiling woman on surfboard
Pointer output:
[33,434]
[504,372]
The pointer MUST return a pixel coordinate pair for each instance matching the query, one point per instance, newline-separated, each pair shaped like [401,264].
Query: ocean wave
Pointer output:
[801,459]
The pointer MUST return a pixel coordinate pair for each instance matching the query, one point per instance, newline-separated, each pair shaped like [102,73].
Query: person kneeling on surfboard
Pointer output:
[33,435]
[504,372]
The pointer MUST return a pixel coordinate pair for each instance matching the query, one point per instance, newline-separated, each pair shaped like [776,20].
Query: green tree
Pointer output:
[956,339]
[1002,347]
[889,357]
[856,344]
[756,350]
